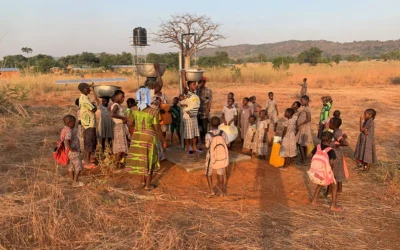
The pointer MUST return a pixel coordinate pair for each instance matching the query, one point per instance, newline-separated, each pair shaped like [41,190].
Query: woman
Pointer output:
[143,156]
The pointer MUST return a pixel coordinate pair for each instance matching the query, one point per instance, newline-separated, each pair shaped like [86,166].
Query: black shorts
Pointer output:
[90,139]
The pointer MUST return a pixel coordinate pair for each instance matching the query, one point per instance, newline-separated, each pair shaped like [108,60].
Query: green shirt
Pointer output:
[88,118]
[325,112]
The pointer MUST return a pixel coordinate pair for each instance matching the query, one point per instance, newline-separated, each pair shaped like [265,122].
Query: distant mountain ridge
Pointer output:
[295,47]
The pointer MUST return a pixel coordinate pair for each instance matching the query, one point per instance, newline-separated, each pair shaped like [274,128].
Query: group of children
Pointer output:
[253,122]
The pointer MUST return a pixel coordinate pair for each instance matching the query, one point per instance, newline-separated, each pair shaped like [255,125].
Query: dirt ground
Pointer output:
[265,208]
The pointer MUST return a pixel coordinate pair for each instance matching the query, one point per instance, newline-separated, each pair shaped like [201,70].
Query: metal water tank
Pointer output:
[139,37]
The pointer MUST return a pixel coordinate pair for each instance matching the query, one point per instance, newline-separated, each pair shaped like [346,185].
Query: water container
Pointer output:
[275,159]
[139,37]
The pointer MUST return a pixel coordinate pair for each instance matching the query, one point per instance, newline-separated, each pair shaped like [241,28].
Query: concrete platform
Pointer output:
[193,163]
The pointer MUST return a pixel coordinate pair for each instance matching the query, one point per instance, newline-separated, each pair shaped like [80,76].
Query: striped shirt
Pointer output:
[192,100]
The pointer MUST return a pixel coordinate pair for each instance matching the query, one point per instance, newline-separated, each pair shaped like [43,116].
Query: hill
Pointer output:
[294,47]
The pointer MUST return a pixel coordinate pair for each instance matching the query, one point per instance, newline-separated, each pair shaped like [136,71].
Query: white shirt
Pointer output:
[229,113]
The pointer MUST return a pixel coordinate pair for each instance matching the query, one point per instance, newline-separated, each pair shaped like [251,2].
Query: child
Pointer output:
[79,127]
[176,119]
[106,125]
[326,107]
[288,144]
[130,103]
[303,135]
[256,106]
[231,95]
[88,121]
[230,115]
[250,134]
[71,143]
[365,152]
[260,145]
[338,141]
[336,114]
[272,111]
[245,112]
[303,90]
[165,118]
[121,134]
[326,140]
[295,106]
[212,163]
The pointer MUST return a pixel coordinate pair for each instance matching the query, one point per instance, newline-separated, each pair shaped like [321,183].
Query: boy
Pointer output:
[272,111]
[326,107]
[71,143]
[326,140]
[176,119]
[212,163]
[88,121]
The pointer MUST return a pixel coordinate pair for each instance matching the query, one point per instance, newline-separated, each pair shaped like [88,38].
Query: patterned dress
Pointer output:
[245,112]
[121,132]
[143,157]
[303,135]
[289,141]
[259,147]
[365,148]
[340,167]
[248,145]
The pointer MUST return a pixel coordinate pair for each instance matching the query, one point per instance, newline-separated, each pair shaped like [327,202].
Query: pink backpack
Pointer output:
[320,171]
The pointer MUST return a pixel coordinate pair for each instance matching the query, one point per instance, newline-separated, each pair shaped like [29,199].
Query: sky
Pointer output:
[60,28]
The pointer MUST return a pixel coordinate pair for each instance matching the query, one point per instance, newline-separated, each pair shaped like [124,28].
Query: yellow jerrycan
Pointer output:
[275,160]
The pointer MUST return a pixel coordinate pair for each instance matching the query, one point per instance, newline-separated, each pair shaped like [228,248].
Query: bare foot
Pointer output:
[149,188]
[314,203]
[210,195]
[337,208]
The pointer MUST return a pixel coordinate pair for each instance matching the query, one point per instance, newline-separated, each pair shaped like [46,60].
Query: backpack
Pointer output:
[60,154]
[218,155]
[320,171]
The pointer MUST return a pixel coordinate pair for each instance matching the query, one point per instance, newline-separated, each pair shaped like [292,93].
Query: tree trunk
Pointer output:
[187,62]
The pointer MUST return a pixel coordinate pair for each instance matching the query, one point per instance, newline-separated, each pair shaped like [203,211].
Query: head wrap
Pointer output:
[143,97]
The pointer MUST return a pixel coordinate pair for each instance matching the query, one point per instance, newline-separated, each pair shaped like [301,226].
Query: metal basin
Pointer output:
[105,90]
[148,70]
[194,75]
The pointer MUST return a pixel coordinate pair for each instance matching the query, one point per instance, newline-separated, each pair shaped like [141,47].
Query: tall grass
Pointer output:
[323,75]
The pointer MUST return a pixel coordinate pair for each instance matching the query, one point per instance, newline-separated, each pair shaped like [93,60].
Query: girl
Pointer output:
[245,112]
[260,145]
[340,170]
[121,133]
[365,150]
[256,106]
[250,134]
[326,139]
[105,128]
[288,144]
[295,106]
[303,136]
[230,115]
[326,107]
[231,96]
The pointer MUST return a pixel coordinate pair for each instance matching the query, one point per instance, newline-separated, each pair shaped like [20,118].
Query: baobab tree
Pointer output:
[207,33]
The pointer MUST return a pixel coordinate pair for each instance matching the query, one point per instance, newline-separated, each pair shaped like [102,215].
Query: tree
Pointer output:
[16,61]
[282,63]
[44,63]
[220,58]
[337,58]
[262,58]
[353,58]
[171,31]
[311,56]
[26,50]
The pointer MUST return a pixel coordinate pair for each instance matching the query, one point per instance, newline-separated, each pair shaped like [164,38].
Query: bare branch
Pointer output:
[206,30]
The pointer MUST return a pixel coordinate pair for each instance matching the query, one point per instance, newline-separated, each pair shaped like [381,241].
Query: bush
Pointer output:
[236,73]
[10,95]
[396,80]
[281,63]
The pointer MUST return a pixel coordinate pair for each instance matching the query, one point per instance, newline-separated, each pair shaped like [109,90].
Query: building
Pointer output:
[9,72]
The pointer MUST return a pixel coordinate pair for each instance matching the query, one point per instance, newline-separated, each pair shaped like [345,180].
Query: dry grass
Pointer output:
[265,208]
